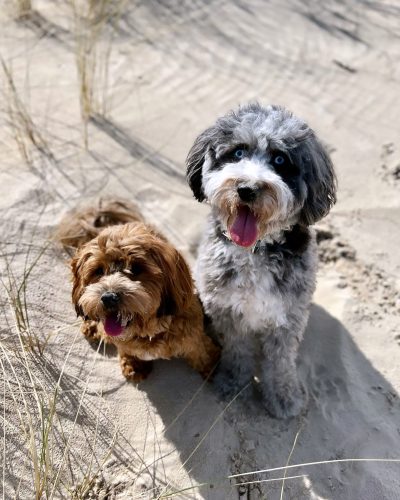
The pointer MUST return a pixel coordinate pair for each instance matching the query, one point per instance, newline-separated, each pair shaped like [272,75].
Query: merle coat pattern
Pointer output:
[258,295]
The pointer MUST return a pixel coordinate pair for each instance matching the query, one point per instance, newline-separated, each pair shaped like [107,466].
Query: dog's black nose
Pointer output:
[247,193]
[110,299]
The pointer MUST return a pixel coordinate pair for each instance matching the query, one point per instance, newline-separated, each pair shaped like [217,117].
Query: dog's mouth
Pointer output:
[114,323]
[244,229]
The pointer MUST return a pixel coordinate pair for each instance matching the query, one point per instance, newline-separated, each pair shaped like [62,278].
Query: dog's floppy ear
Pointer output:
[77,280]
[320,178]
[178,283]
[195,160]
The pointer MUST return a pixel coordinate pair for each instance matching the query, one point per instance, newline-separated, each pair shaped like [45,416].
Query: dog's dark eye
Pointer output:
[136,268]
[99,271]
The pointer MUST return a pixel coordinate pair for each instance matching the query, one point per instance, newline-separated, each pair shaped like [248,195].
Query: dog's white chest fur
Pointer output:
[147,356]
[250,293]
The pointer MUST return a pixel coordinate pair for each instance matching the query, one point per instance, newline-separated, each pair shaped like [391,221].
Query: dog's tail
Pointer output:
[84,223]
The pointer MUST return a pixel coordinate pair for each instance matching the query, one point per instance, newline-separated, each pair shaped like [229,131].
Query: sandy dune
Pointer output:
[164,71]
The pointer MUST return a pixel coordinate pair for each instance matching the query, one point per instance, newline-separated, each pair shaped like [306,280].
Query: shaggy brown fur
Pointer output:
[85,223]
[135,290]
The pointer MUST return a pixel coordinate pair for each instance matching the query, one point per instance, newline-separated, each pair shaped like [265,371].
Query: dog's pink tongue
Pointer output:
[112,325]
[244,230]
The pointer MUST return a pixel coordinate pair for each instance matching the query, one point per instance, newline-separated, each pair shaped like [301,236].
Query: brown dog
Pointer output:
[135,290]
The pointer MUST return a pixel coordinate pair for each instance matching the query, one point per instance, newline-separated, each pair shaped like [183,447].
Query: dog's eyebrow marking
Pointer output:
[222,151]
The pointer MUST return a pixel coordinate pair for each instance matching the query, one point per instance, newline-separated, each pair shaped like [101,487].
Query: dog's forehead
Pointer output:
[117,252]
[274,129]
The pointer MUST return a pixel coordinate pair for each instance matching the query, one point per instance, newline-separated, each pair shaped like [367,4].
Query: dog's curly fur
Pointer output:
[84,223]
[267,178]
[153,311]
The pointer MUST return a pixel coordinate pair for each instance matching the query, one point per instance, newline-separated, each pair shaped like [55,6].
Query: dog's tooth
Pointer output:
[124,322]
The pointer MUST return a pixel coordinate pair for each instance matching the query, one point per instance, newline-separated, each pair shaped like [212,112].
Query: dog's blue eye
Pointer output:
[239,153]
[279,160]
[283,165]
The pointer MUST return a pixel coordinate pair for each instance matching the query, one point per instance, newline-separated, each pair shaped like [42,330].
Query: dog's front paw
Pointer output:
[133,376]
[90,331]
[285,403]
[134,370]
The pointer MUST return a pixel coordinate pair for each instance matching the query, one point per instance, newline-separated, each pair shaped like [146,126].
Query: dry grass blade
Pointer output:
[88,480]
[26,134]
[216,420]
[68,443]
[275,469]
[191,400]
[92,64]
[270,480]
[37,416]
[37,452]
[289,458]
[4,432]
[23,8]
[17,296]
[321,462]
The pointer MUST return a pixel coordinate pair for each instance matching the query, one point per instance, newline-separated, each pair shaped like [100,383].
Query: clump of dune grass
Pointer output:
[35,415]
[26,134]
[22,8]
[92,54]
[31,409]
[37,418]
[16,290]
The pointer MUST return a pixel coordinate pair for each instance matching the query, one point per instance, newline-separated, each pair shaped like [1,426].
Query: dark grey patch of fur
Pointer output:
[319,176]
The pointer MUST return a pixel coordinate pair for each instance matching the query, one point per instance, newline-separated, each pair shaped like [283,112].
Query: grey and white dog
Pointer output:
[267,178]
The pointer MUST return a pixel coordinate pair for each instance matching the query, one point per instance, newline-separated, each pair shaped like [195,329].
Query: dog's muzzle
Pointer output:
[110,300]
[248,193]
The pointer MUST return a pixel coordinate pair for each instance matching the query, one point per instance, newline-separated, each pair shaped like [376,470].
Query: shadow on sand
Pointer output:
[352,412]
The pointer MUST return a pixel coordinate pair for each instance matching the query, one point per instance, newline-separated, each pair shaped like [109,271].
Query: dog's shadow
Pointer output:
[352,412]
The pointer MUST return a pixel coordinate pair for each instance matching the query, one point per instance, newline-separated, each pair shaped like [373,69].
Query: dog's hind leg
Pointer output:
[201,353]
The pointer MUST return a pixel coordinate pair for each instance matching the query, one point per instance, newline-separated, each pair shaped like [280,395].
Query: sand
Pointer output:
[173,67]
